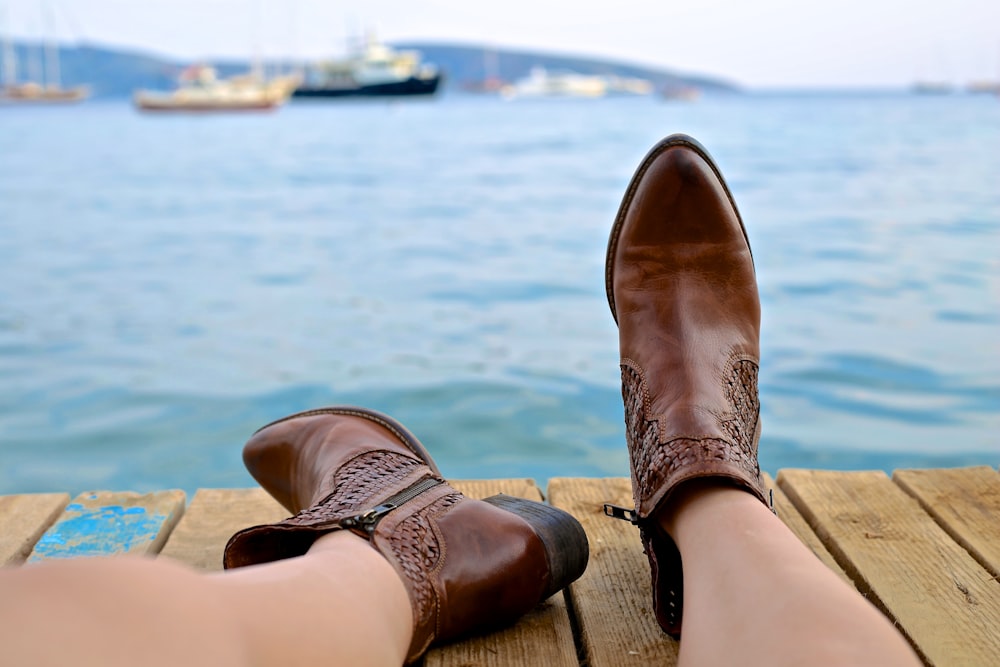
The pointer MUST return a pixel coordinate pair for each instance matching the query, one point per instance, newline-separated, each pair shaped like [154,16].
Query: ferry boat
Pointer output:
[376,70]
[200,90]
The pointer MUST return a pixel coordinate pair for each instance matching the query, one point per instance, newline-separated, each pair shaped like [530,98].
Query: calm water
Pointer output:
[169,284]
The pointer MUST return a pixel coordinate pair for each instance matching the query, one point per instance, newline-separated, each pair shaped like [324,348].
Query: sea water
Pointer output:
[168,284]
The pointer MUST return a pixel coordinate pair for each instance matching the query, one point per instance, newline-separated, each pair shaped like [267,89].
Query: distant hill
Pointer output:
[114,72]
[108,72]
[467,64]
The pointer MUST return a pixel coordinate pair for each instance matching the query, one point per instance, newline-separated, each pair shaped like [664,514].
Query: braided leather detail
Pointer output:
[653,462]
[741,390]
[357,485]
[649,461]
[417,551]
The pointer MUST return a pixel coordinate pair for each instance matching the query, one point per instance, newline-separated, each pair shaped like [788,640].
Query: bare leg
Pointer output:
[755,595]
[340,604]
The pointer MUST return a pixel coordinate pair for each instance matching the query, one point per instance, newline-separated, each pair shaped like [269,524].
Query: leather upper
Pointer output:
[682,287]
[466,564]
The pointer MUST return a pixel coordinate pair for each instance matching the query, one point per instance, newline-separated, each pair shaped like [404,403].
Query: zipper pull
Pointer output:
[367,520]
[623,513]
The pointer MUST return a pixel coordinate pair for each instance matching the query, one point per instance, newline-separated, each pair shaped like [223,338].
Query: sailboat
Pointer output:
[49,90]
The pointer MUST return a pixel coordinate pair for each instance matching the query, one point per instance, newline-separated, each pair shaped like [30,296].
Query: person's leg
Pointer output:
[382,559]
[755,595]
[728,577]
[341,604]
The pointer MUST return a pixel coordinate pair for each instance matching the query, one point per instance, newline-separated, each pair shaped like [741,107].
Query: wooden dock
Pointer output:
[923,545]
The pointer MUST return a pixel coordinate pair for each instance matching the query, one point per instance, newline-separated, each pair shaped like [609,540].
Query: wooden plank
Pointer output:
[786,511]
[483,488]
[543,637]
[946,604]
[106,523]
[966,504]
[612,601]
[23,519]
[213,517]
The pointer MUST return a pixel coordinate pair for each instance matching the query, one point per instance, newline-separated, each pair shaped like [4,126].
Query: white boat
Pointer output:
[542,83]
[200,90]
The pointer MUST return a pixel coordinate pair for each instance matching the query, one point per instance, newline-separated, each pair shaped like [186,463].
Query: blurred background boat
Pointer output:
[540,82]
[374,70]
[42,85]
[201,90]
[681,93]
[932,88]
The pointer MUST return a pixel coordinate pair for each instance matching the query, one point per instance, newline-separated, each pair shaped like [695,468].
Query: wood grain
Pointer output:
[946,604]
[613,600]
[213,517]
[109,523]
[23,519]
[965,502]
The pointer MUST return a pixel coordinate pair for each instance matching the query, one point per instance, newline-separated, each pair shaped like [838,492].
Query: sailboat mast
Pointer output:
[256,64]
[9,56]
[51,49]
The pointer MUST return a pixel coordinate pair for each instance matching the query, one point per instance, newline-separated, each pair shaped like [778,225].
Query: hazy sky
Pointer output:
[757,43]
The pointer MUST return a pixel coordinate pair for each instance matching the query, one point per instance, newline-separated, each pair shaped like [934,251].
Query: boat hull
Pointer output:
[39,95]
[414,86]
[185,107]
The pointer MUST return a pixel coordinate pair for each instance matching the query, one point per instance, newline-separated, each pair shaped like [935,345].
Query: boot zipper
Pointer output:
[368,519]
[623,513]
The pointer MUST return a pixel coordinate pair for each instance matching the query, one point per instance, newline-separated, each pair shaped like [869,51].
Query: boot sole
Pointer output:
[401,432]
[566,547]
[669,142]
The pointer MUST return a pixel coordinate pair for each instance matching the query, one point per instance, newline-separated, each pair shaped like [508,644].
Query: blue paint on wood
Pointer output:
[97,531]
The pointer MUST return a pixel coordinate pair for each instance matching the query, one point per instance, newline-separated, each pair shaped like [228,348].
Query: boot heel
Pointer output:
[566,545]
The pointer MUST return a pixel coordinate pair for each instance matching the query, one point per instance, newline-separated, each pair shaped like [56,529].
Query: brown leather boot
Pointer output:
[467,564]
[681,285]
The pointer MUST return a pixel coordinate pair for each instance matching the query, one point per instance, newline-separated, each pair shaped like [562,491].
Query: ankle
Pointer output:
[697,500]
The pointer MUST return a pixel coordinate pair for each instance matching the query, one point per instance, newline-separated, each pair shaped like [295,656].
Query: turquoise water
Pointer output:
[169,284]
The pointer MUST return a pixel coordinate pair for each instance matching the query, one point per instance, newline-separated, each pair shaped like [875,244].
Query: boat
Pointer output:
[35,93]
[983,87]
[200,90]
[629,85]
[932,88]
[542,83]
[375,70]
[49,90]
[681,93]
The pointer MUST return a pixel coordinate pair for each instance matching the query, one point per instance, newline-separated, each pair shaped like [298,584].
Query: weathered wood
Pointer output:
[483,488]
[946,604]
[612,601]
[23,519]
[925,549]
[105,523]
[213,517]
[966,503]
[786,511]
[542,637]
